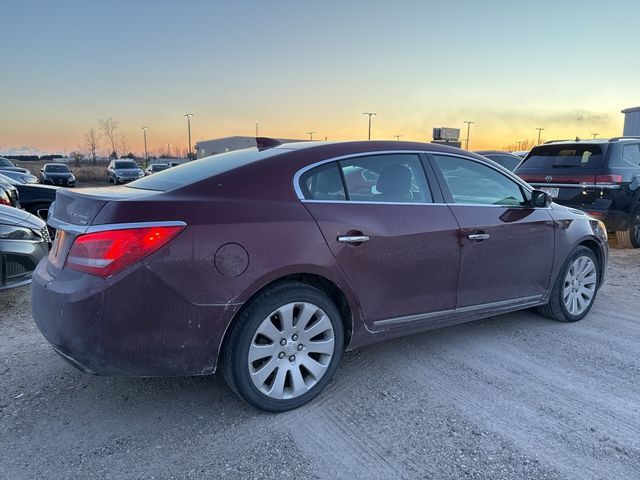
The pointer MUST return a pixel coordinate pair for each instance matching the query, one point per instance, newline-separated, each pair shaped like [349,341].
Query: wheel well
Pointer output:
[593,246]
[326,286]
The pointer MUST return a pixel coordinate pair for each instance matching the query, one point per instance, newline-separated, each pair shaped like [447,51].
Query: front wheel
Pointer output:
[630,238]
[575,289]
[284,348]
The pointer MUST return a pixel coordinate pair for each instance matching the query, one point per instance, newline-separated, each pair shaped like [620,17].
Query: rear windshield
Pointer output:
[191,172]
[56,168]
[562,156]
[126,165]
[159,167]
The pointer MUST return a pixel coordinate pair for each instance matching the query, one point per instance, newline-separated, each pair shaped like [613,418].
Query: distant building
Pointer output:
[631,122]
[205,148]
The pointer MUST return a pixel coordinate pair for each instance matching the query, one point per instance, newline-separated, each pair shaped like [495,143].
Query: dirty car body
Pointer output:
[393,262]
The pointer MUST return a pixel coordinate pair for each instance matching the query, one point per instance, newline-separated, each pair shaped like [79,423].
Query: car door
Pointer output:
[398,248]
[506,246]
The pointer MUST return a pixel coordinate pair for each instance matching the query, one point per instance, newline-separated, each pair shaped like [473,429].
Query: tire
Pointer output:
[557,308]
[630,238]
[109,178]
[270,383]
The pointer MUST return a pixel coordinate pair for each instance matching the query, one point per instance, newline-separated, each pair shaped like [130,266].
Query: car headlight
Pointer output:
[9,232]
[599,229]
[72,178]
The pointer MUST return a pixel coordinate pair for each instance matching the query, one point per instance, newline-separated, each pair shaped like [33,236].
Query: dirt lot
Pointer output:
[513,396]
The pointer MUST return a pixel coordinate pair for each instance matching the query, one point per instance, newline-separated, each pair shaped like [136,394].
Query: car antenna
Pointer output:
[264,143]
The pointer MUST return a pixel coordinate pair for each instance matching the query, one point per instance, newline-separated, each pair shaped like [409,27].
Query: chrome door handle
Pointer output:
[478,237]
[353,239]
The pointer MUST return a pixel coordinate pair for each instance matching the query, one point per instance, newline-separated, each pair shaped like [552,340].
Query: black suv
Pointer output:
[601,177]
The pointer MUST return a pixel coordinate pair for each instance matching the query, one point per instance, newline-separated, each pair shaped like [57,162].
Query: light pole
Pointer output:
[168,150]
[370,114]
[595,135]
[539,129]
[146,155]
[189,115]
[469,123]
[518,145]
[257,130]
[397,137]
[310,135]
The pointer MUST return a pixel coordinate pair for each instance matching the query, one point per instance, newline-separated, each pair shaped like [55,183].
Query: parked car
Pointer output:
[57,174]
[24,241]
[520,153]
[506,159]
[19,176]
[120,171]
[155,168]
[600,176]
[34,198]
[6,164]
[267,266]
[8,194]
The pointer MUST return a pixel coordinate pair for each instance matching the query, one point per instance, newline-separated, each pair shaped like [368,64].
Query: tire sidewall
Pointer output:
[579,252]
[237,350]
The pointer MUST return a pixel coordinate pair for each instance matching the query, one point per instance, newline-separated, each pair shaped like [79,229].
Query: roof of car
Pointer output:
[493,152]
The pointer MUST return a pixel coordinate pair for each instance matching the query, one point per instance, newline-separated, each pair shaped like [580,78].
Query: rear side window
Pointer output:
[323,183]
[564,156]
[630,156]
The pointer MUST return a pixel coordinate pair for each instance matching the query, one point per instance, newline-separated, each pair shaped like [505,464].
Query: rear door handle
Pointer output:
[353,238]
[479,237]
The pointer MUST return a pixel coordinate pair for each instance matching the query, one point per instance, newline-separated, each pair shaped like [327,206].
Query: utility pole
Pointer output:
[595,135]
[370,114]
[189,115]
[257,130]
[469,123]
[397,137]
[310,135]
[146,155]
[168,150]
[539,129]
[518,145]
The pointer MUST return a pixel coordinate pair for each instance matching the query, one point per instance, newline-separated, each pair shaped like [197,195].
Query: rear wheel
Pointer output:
[284,347]
[575,289]
[630,238]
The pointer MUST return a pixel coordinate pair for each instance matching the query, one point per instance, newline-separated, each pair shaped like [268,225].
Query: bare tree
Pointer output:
[108,129]
[91,143]
[122,142]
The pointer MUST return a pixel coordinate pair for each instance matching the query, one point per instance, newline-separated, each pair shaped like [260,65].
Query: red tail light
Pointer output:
[109,252]
[608,179]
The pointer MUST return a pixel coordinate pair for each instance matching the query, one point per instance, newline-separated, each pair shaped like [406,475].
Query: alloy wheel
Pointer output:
[291,350]
[580,285]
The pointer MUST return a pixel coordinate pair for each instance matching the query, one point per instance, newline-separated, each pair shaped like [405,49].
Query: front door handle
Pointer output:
[479,237]
[353,239]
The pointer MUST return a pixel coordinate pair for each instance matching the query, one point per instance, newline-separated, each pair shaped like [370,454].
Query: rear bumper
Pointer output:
[131,324]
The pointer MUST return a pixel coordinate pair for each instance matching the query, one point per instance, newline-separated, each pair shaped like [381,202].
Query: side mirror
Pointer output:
[540,199]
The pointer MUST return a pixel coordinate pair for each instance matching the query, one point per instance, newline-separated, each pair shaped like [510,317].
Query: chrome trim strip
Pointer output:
[573,185]
[123,226]
[360,202]
[518,302]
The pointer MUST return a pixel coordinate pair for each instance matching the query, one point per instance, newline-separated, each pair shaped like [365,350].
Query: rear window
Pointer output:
[126,165]
[562,156]
[56,168]
[191,172]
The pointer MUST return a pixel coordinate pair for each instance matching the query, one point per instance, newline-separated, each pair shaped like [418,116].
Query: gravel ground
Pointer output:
[512,396]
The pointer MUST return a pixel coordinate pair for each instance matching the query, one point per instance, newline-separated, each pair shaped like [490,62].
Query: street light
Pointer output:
[539,129]
[595,135]
[397,137]
[189,115]
[257,130]
[469,123]
[146,155]
[370,114]
[310,135]
[168,150]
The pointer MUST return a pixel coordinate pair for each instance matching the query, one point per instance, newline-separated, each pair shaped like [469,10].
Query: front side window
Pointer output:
[397,178]
[472,182]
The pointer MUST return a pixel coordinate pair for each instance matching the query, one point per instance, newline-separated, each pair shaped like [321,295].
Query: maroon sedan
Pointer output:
[268,263]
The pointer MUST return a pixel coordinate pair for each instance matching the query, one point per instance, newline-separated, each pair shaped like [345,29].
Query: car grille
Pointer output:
[14,269]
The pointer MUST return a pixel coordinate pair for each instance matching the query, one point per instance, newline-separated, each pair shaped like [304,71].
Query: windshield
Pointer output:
[9,180]
[564,156]
[157,168]
[56,169]
[126,165]
[5,162]
[191,172]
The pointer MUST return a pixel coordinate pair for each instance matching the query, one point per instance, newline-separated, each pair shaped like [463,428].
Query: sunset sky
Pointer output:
[295,66]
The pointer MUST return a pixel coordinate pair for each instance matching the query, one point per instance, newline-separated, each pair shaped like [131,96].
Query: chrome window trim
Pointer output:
[502,170]
[573,185]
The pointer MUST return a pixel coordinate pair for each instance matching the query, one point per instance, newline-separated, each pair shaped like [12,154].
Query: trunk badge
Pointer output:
[548,178]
